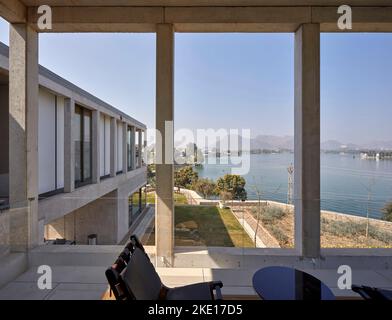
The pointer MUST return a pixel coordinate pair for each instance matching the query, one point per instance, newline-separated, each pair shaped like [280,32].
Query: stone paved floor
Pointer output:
[87,282]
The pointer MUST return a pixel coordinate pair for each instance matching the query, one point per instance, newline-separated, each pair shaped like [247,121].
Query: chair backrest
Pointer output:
[133,276]
[141,278]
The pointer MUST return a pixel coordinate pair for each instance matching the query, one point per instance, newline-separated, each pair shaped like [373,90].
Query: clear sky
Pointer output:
[234,80]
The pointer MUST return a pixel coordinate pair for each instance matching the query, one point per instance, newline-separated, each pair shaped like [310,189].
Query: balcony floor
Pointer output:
[88,282]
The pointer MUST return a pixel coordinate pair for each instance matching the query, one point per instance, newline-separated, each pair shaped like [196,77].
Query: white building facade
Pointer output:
[88,165]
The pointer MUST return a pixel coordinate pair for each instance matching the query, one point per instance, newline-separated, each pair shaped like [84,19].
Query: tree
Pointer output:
[206,187]
[151,180]
[225,196]
[185,177]
[233,183]
[387,212]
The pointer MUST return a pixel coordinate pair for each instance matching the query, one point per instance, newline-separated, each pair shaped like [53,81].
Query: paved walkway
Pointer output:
[263,239]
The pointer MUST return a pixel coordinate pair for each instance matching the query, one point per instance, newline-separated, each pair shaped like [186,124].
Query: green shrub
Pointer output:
[279,235]
[346,228]
[387,212]
[271,214]
[380,235]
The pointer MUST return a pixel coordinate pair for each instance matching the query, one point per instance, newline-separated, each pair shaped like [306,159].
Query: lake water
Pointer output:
[345,180]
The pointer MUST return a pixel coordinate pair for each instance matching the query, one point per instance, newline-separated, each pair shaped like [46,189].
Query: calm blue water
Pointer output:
[344,181]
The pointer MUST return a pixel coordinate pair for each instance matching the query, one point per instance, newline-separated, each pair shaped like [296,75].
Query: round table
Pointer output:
[283,283]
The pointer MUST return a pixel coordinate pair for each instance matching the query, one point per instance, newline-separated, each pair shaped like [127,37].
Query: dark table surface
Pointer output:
[284,283]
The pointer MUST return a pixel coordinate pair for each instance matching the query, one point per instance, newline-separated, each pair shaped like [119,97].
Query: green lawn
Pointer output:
[204,225]
[178,198]
[208,226]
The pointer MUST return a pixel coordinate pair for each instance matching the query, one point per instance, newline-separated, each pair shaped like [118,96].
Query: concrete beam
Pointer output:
[23,135]
[164,204]
[113,146]
[13,11]
[241,19]
[211,3]
[307,140]
[365,19]
[101,19]
[96,159]
[249,17]
[69,146]
[59,205]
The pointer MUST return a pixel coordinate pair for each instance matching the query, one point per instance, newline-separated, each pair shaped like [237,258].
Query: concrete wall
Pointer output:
[107,216]
[99,217]
[4,141]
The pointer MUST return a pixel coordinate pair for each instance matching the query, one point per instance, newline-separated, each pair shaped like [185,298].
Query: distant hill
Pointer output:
[271,142]
[379,145]
[337,145]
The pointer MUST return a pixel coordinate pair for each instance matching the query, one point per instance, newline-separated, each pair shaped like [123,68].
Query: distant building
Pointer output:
[376,155]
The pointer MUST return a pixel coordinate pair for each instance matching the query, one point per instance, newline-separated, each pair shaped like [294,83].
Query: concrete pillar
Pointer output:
[122,226]
[113,146]
[164,204]
[124,148]
[23,135]
[96,159]
[307,140]
[69,147]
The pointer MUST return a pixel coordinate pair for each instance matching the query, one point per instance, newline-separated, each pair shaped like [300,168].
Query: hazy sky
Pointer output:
[233,80]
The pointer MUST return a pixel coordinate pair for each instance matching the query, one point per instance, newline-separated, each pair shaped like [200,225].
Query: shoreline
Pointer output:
[194,197]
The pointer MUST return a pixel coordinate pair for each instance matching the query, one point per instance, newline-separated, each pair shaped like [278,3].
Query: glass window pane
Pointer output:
[77,125]
[137,147]
[86,145]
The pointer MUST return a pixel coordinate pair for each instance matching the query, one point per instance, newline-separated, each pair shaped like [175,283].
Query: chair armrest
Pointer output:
[370,293]
[217,285]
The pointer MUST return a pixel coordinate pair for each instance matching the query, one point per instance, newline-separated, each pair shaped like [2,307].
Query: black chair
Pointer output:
[370,293]
[133,277]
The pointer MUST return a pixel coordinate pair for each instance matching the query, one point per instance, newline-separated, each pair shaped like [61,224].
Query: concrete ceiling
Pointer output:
[3,77]
[211,3]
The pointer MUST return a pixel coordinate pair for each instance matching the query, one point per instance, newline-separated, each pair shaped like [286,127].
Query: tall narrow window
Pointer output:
[130,143]
[82,138]
[137,148]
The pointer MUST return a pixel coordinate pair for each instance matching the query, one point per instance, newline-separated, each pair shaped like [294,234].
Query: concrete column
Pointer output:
[23,135]
[122,226]
[95,147]
[124,148]
[307,140]
[113,147]
[164,204]
[69,147]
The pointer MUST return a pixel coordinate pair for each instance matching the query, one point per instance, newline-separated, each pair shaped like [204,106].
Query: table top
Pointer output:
[284,283]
